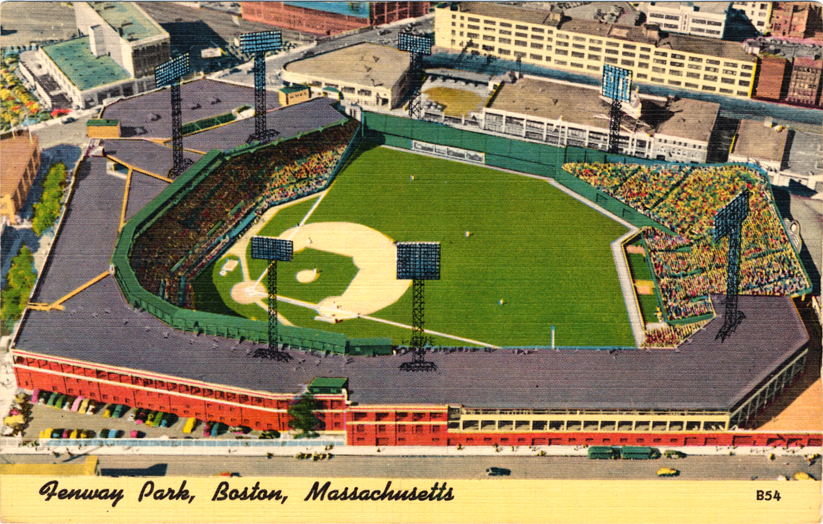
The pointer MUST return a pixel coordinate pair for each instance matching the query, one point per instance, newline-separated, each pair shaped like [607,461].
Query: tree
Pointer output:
[48,209]
[302,415]
[19,282]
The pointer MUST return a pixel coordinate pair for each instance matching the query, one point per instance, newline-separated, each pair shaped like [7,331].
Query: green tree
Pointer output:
[48,209]
[19,282]
[302,415]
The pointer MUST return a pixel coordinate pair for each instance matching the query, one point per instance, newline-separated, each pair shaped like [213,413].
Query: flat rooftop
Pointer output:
[16,152]
[362,64]
[754,140]
[82,68]
[355,9]
[715,8]
[575,104]
[129,18]
[687,43]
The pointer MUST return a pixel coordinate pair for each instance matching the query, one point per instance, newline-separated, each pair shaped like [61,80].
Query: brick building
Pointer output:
[328,18]
[773,77]
[20,154]
[797,20]
[804,86]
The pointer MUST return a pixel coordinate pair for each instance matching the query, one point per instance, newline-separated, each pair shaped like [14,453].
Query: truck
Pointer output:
[603,452]
[639,452]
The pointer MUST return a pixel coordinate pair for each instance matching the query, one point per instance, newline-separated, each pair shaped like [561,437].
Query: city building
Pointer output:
[21,160]
[760,143]
[804,86]
[368,74]
[772,77]
[551,40]
[758,13]
[797,20]
[328,18]
[116,56]
[563,114]
[293,95]
[691,18]
[102,128]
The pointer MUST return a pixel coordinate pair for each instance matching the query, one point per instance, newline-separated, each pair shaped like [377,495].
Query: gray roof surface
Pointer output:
[363,64]
[145,155]
[213,97]
[288,121]
[758,141]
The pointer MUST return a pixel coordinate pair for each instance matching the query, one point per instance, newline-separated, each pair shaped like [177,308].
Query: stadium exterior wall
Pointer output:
[363,425]
[211,323]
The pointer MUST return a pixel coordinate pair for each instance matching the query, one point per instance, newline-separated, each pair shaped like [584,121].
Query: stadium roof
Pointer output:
[364,64]
[127,19]
[98,327]
[687,43]
[82,68]
[755,140]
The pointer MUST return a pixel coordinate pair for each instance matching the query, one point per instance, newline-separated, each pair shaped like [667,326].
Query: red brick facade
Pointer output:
[363,425]
[322,23]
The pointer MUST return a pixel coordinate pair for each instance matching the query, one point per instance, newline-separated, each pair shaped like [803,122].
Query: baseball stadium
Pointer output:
[579,299]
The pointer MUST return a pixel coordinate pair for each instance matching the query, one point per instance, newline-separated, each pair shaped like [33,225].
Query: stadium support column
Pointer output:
[418,261]
[416,46]
[272,249]
[257,44]
[615,116]
[728,222]
[178,161]
[260,94]
[418,336]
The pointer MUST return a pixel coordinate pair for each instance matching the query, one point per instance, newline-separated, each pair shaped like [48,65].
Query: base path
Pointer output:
[375,285]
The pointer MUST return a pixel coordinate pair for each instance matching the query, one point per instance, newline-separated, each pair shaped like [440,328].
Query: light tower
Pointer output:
[257,44]
[418,262]
[417,46]
[615,86]
[273,250]
[728,222]
[169,74]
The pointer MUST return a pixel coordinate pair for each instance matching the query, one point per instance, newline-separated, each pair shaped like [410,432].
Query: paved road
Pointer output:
[743,467]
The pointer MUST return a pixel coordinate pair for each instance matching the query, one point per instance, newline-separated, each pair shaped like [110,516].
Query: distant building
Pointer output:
[21,160]
[797,20]
[760,143]
[549,39]
[690,18]
[368,74]
[295,94]
[102,128]
[758,13]
[772,78]
[804,87]
[116,57]
[563,114]
[328,18]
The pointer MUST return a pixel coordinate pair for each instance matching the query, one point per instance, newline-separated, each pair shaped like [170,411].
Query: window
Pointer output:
[727,80]
[593,68]
[563,44]
[658,69]
[629,63]
[472,19]
[693,75]
[612,51]
[726,91]
[522,27]
[711,70]
[594,57]
[577,54]
[574,64]
[729,64]
[475,27]
[695,66]
[505,24]
[578,46]
[504,32]
[674,82]
[746,67]
[535,57]
[537,46]
[521,43]
[596,49]
[521,35]
[710,78]
[691,86]
[642,75]
[537,29]
[610,60]
[744,83]
[562,36]
[644,65]
[674,72]
[707,88]
[562,52]
[488,48]
[488,38]
[504,51]
[713,62]
[678,56]
[538,38]
[473,35]
[628,54]
[505,41]
[489,22]
[729,72]
[742,93]
[644,57]
[661,53]
[519,54]
[559,62]
[676,64]
[659,61]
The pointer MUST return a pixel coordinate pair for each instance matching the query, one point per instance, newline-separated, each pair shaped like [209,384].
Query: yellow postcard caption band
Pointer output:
[272,499]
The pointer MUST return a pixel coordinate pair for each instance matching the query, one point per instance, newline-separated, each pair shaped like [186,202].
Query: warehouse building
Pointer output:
[549,39]
[691,18]
[563,114]
[773,78]
[758,13]
[367,74]
[760,143]
[116,56]
[329,18]
[805,83]
[21,160]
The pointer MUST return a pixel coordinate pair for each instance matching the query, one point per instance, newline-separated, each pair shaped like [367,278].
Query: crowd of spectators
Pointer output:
[689,266]
[187,237]
[671,336]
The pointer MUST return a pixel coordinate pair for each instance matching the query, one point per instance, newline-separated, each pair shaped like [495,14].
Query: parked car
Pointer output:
[92,407]
[104,433]
[87,433]
[141,417]
[66,433]
[207,429]
[674,454]
[52,399]
[667,472]
[498,472]
[67,403]
[801,475]
[120,410]
[150,420]
[84,406]
[107,411]
[166,422]
[74,433]
[133,414]
[46,433]
[75,406]
[190,425]
[114,433]
[217,429]
[56,433]
[58,402]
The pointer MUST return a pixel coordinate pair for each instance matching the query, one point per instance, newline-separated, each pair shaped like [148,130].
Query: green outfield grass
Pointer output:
[544,253]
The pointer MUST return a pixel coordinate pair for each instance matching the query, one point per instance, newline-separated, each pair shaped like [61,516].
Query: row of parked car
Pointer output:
[64,402]
[152,418]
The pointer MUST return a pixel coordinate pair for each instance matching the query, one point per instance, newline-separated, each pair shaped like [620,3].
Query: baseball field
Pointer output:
[517,256]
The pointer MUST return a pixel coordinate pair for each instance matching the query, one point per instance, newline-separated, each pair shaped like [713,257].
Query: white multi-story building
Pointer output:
[690,18]
[566,114]
[758,13]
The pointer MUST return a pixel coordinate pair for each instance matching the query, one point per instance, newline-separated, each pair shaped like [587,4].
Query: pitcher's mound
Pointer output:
[248,292]
[306,276]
